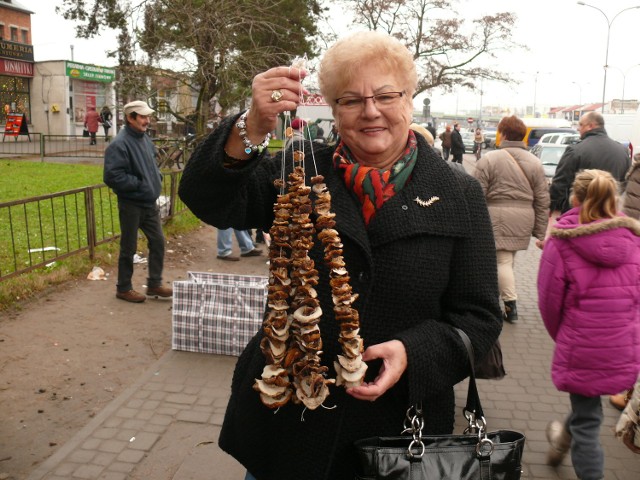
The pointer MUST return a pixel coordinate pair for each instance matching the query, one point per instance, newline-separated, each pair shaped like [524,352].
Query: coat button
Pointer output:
[362,276]
[405,207]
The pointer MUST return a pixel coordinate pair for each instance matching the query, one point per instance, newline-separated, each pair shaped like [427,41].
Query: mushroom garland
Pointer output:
[292,342]
[350,368]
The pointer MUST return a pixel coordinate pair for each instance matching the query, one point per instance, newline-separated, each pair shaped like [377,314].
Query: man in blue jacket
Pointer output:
[130,169]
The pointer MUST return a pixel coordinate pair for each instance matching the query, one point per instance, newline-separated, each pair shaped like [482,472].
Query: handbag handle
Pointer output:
[414,420]
[473,410]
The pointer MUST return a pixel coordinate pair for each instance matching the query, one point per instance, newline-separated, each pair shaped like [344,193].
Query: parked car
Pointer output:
[490,137]
[467,139]
[561,138]
[549,154]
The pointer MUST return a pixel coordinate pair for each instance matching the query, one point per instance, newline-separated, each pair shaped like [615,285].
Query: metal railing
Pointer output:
[36,231]
[74,146]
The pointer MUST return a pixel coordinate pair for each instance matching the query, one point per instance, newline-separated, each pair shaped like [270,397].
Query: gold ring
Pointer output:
[276,95]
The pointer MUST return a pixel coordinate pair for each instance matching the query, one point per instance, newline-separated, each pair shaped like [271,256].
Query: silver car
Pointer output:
[549,155]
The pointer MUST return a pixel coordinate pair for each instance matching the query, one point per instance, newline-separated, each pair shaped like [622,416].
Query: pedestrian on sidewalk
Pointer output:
[595,150]
[457,145]
[415,236]
[588,292]
[105,118]
[91,122]
[247,248]
[517,195]
[445,138]
[130,169]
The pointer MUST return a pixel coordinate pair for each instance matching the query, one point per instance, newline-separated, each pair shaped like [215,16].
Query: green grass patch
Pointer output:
[42,230]
[22,179]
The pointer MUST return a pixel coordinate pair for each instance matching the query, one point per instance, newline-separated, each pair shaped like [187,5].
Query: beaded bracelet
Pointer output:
[250,147]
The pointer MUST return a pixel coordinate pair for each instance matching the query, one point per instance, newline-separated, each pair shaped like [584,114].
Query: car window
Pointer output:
[551,155]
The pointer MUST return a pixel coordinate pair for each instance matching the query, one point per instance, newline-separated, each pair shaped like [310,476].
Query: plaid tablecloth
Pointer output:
[216,312]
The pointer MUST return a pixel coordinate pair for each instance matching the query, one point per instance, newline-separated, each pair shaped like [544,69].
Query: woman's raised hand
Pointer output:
[273,92]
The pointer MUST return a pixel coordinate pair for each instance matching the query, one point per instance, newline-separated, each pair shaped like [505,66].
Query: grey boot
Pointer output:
[510,311]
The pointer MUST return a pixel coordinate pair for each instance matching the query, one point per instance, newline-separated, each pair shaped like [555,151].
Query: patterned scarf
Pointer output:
[372,186]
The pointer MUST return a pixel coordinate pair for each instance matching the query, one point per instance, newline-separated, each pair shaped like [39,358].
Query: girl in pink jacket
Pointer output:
[589,296]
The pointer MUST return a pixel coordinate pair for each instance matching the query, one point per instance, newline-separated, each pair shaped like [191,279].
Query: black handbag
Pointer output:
[491,367]
[85,133]
[473,455]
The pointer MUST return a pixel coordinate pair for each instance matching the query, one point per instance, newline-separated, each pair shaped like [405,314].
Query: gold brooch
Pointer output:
[426,203]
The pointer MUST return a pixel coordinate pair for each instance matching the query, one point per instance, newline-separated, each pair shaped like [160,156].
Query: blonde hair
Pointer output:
[424,132]
[343,61]
[596,191]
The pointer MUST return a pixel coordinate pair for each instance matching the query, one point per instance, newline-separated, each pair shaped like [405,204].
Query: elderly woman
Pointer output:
[416,240]
[517,195]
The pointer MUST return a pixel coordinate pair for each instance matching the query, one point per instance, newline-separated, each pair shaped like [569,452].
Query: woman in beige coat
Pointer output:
[631,205]
[517,195]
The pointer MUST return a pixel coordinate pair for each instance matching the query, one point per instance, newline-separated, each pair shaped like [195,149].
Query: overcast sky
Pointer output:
[567,46]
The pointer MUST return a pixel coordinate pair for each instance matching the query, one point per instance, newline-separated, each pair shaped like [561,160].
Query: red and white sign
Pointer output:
[313,99]
[16,68]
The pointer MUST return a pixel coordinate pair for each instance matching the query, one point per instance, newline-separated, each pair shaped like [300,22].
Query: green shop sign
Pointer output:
[93,73]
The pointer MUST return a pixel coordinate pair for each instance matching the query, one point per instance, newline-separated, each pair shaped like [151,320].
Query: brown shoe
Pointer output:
[621,399]
[228,258]
[159,292]
[131,296]
[256,252]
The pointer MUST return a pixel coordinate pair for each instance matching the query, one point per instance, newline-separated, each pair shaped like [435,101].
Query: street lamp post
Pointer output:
[580,90]
[624,82]
[606,57]
[535,94]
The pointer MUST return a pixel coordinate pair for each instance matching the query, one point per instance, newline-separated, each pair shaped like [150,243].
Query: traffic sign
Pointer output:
[469,120]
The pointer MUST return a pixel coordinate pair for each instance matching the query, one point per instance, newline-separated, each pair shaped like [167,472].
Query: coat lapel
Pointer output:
[432,203]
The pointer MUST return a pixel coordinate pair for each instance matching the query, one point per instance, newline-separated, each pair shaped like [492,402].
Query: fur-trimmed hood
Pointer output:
[607,243]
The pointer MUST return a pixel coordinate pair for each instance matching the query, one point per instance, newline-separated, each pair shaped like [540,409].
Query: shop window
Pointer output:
[14,97]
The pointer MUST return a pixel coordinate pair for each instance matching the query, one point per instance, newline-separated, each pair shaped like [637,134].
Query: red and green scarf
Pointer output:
[372,186]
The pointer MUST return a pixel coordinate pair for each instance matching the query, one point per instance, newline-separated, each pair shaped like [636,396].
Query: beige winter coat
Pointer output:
[519,206]
[631,196]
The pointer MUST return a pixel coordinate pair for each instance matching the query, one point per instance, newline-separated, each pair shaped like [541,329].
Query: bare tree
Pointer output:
[217,46]
[449,51]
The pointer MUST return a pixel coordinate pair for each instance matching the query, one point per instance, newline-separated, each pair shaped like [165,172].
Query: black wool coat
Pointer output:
[419,271]
[595,150]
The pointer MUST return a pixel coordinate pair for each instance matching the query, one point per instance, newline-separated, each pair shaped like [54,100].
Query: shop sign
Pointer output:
[93,73]
[16,68]
[16,51]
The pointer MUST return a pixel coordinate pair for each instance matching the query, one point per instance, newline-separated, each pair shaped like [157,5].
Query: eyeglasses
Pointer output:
[380,100]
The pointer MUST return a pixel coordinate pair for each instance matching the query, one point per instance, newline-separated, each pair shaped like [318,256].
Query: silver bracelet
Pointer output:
[250,147]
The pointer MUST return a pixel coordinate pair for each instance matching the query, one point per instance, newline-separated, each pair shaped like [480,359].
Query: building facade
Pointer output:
[16,60]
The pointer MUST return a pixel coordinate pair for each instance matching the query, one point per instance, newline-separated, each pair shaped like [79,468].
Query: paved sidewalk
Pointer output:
[166,425]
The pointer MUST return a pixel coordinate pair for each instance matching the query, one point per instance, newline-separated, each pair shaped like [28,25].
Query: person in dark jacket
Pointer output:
[457,145]
[595,151]
[416,240]
[105,118]
[130,169]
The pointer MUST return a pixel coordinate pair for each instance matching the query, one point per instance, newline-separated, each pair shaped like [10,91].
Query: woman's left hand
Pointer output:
[394,363]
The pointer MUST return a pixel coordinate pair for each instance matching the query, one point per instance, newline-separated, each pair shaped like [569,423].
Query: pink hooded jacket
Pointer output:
[589,299]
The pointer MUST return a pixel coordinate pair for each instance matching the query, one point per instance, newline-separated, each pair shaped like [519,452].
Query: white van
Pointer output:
[620,127]
[559,138]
